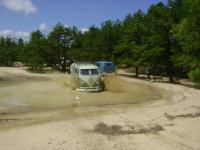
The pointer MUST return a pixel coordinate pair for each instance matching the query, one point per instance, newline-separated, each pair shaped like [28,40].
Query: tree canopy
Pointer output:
[165,40]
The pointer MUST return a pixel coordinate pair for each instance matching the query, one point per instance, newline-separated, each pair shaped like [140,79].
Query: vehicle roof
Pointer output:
[86,66]
[104,62]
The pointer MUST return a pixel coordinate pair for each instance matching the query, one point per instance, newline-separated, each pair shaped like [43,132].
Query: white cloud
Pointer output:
[6,33]
[25,6]
[84,30]
[66,26]
[43,27]
[19,34]
[22,34]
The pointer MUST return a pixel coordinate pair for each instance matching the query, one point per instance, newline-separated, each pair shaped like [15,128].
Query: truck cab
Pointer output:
[86,76]
[106,67]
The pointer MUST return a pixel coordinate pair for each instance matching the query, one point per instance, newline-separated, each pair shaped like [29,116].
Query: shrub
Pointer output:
[194,75]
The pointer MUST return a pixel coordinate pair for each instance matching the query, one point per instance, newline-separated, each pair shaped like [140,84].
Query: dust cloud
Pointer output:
[58,91]
[27,97]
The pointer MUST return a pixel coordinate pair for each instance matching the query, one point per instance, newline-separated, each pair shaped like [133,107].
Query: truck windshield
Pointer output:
[87,72]
[94,72]
[108,64]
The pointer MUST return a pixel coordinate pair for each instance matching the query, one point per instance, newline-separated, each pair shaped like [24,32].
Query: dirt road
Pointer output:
[169,119]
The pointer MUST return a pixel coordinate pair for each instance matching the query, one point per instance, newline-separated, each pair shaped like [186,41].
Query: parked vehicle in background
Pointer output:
[86,77]
[106,67]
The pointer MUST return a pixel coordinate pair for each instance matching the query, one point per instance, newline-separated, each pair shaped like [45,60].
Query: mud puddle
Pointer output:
[171,117]
[112,130]
[18,97]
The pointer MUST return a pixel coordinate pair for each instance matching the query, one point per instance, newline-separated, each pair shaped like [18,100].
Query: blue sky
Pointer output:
[20,17]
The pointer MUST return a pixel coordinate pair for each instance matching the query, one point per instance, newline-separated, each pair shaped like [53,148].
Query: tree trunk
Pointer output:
[169,64]
[148,73]
[136,71]
[148,76]
[171,79]
[64,65]
[170,73]
[63,68]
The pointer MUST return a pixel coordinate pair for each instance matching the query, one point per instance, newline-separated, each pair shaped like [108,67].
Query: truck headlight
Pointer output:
[98,82]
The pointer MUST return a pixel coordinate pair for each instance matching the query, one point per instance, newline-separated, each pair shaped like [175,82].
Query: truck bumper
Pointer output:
[90,89]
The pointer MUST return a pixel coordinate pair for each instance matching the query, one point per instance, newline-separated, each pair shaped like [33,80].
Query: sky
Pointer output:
[20,17]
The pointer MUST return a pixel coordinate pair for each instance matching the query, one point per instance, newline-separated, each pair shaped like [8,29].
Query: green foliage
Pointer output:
[177,9]
[187,33]
[60,42]
[8,52]
[90,45]
[195,75]
[131,45]
[34,51]
[110,35]
[159,39]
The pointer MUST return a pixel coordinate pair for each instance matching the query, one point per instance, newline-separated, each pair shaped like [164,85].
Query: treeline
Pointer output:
[165,41]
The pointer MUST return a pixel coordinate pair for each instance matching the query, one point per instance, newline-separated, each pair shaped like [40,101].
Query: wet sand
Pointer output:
[54,93]
[24,96]
[40,111]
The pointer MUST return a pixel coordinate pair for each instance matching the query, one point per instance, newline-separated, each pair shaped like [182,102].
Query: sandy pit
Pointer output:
[21,91]
[42,111]
[24,92]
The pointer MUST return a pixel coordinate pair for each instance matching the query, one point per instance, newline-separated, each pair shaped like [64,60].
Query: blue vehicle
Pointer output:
[106,67]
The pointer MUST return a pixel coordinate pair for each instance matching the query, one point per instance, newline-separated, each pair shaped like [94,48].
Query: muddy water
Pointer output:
[55,93]
[29,99]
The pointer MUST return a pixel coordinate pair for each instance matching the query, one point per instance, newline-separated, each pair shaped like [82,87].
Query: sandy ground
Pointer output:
[171,122]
